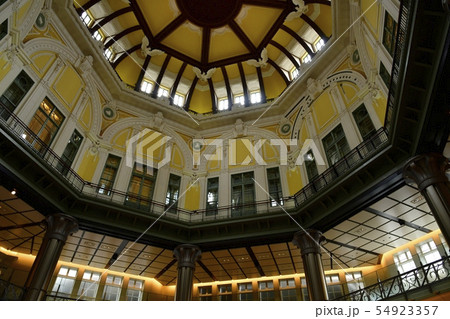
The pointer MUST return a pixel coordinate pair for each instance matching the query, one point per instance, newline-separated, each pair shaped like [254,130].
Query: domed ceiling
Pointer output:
[208,56]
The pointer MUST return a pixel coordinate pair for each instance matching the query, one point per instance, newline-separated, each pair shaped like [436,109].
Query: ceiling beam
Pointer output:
[351,247]
[210,274]
[275,65]
[167,267]
[173,91]
[96,250]
[144,67]
[325,2]
[141,20]
[217,260]
[239,266]
[299,39]
[315,27]
[227,86]
[134,259]
[213,96]
[244,85]
[151,261]
[275,27]
[255,261]
[292,259]
[261,85]
[172,26]
[274,260]
[206,40]
[120,35]
[191,91]
[267,3]
[160,76]
[243,37]
[21,226]
[107,19]
[285,52]
[398,220]
[125,54]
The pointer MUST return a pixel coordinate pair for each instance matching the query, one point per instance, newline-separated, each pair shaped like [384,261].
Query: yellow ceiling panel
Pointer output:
[174,65]
[324,20]
[187,40]
[295,24]
[135,37]
[189,73]
[128,71]
[273,52]
[248,69]
[114,4]
[127,20]
[232,71]
[157,13]
[257,22]
[282,38]
[201,101]
[79,3]
[217,76]
[225,45]
[158,59]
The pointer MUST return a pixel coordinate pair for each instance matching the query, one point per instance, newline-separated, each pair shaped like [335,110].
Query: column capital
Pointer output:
[426,170]
[60,226]
[187,255]
[308,241]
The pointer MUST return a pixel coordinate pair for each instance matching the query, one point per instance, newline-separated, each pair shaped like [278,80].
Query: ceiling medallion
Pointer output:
[210,13]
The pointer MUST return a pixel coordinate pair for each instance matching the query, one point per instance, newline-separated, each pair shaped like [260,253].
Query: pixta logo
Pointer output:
[142,146]
[215,149]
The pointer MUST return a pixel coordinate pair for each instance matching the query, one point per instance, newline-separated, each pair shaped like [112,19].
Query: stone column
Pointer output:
[59,226]
[428,172]
[309,243]
[186,255]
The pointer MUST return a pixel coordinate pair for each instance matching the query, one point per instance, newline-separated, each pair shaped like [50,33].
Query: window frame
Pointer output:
[171,203]
[275,197]
[44,119]
[243,208]
[336,139]
[101,189]
[140,172]
[148,84]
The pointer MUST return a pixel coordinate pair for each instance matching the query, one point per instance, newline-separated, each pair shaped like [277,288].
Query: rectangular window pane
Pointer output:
[242,194]
[45,124]
[363,121]
[212,196]
[109,174]
[173,190]
[389,33]
[141,186]
[70,152]
[15,93]
[335,145]
[274,182]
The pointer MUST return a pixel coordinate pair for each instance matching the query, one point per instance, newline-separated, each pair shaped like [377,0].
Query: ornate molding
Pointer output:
[187,255]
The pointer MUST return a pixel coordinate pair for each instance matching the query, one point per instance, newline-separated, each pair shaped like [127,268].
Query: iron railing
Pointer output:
[403,26]
[420,277]
[342,167]
[10,292]
[44,153]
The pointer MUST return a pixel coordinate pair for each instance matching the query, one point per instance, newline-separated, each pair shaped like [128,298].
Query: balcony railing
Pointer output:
[44,153]
[400,42]
[403,284]
[342,167]
[9,291]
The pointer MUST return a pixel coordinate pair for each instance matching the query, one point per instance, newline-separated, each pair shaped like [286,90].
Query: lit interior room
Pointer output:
[239,150]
